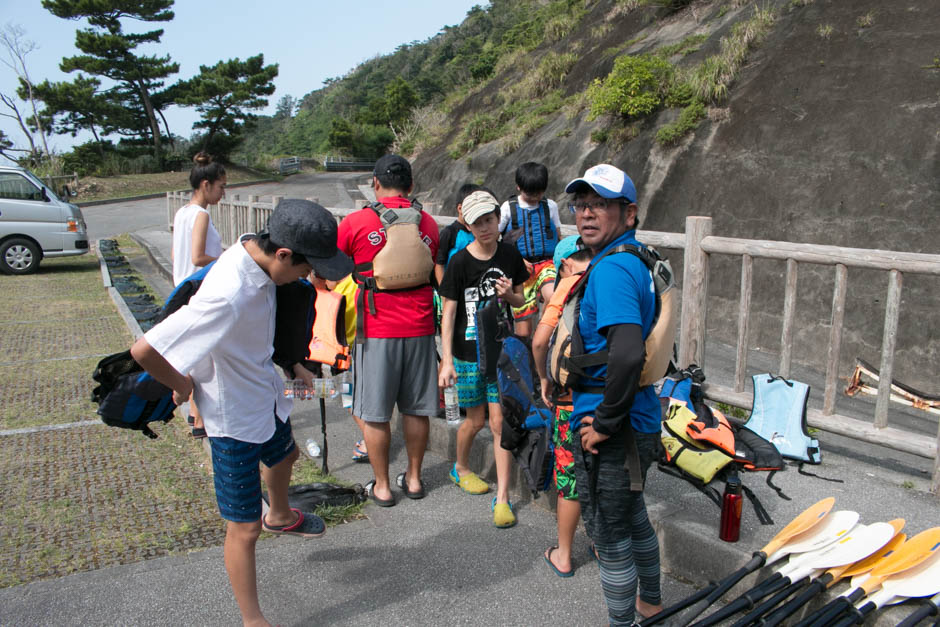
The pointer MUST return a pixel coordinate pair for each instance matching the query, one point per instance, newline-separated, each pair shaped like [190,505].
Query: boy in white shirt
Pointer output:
[219,348]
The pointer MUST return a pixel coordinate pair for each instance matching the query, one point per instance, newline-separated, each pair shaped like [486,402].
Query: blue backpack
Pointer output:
[127,396]
[527,422]
[531,230]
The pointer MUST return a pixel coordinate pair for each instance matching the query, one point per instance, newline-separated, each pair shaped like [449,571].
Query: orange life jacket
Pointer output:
[328,340]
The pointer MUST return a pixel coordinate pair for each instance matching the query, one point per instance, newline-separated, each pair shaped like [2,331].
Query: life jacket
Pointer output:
[310,328]
[681,450]
[127,396]
[567,360]
[779,415]
[531,230]
[404,263]
[526,420]
[462,240]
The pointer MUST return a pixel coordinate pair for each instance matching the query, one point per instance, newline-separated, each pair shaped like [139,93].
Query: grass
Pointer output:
[825,31]
[685,47]
[125,185]
[732,411]
[688,120]
[866,21]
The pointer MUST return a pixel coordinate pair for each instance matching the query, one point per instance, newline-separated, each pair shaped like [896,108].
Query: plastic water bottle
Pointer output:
[320,388]
[313,448]
[451,410]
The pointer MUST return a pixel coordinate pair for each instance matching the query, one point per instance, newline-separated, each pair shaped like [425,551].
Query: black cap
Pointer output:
[307,228]
[391,164]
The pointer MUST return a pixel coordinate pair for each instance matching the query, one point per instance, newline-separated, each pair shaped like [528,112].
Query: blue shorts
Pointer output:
[237,476]
[472,390]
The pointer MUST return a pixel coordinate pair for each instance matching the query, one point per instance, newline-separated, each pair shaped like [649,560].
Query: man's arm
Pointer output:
[161,370]
[540,340]
[626,355]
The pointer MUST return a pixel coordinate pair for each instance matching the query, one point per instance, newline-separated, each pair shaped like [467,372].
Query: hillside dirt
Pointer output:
[829,135]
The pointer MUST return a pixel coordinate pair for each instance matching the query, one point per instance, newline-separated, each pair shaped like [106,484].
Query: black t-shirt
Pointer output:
[448,240]
[470,282]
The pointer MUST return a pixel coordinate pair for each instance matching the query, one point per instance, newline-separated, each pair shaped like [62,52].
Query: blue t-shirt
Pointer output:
[620,290]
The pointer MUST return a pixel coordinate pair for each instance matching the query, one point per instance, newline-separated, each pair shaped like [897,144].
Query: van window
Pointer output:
[17,187]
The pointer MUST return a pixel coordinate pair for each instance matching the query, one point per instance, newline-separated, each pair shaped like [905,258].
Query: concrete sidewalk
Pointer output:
[440,560]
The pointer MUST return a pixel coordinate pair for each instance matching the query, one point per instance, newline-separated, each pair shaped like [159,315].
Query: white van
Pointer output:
[35,223]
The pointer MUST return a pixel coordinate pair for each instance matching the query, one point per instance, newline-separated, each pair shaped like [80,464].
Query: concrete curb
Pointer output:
[94,203]
[129,319]
[162,265]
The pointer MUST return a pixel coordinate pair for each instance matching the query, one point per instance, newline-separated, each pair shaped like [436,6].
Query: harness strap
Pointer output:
[762,514]
[800,470]
[705,489]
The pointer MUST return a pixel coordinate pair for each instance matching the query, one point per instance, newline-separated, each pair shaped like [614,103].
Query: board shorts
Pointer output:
[389,371]
[237,476]
[563,438]
[542,272]
[472,389]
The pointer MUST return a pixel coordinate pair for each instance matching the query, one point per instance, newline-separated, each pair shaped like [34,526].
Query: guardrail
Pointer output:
[347,164]
[289,165]
[64,185]
[235,216]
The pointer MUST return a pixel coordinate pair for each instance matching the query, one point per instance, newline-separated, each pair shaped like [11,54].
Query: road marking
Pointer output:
[68,425]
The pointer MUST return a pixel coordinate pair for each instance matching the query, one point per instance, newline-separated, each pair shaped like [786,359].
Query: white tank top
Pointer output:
[183,241]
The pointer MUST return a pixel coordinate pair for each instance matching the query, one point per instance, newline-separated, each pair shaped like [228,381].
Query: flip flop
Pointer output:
[306,526]
[402,482]
[380,502]
[548,560]
[360,456]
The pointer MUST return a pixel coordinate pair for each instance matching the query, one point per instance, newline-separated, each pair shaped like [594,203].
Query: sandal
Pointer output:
[402,482]
[469,483]
[199,433]
[306,526]
[503,515]
[548,560]
[370,492]
[360,455]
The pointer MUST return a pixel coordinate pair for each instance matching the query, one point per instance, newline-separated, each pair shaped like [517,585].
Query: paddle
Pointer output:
[833,527]
[918,581]
[861,542]
[833,575]
[810,517]
[908,555]
[930,608]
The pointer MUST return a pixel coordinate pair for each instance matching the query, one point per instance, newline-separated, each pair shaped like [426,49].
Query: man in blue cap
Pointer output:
[618,421]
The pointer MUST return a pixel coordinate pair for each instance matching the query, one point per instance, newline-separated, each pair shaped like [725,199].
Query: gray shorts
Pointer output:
[395,370]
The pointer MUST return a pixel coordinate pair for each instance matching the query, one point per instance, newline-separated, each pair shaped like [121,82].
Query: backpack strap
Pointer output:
[705,489]
[547,220]
[759,509]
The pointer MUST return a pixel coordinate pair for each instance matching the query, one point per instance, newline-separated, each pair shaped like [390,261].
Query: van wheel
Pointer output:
[19,256]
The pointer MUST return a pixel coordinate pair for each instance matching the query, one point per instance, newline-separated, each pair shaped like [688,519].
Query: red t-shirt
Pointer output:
[397,314]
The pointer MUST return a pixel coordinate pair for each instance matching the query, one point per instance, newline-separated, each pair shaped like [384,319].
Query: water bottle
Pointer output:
[320,388]
[313,449]
[730,526]
[451,410]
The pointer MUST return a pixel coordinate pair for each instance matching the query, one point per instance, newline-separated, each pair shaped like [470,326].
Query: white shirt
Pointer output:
[505,215]
[224,338]
[183,223]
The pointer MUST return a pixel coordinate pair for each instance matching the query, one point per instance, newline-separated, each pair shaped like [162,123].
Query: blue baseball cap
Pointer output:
[607,181]
[564,249]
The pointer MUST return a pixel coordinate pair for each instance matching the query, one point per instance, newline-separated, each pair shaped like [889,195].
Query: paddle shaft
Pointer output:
[655,619]
[751,618]
[818,585]
[723,586]
[929,608]
[746,601]
[832,610]
[325,448]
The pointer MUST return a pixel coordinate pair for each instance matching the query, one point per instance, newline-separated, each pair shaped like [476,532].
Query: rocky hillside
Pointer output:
[827,133]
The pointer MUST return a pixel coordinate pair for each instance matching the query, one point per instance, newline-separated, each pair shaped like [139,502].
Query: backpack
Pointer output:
[404,263]
[127,396]
[492,324]
[567,361]
[527,422]
[531,230]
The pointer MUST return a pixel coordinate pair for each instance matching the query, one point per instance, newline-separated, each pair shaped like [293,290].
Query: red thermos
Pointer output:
[730,527]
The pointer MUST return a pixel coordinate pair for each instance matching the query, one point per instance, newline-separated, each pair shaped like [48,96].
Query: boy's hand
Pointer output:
[589,437]
[181,395]
[447,376]
[302,373]
[547,392]
[503,287]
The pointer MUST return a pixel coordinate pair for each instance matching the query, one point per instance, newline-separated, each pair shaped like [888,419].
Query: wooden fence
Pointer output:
[235,216]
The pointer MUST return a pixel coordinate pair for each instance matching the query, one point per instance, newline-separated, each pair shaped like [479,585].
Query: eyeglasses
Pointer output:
[594,205]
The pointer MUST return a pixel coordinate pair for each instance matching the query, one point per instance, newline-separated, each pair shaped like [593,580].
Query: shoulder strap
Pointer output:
[547,220]
[514,212]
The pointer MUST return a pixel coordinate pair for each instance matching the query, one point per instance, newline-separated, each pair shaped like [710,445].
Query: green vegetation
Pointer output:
[689,118]
[866,21]
[824,31]
[635,87]
[685,47]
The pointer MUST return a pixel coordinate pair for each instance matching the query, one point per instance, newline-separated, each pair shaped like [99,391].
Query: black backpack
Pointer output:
[127,396]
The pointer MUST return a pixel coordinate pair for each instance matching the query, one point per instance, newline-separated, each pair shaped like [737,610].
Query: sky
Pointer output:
[310,40]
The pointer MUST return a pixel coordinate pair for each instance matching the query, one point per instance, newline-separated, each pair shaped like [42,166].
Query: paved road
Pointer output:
[333,189]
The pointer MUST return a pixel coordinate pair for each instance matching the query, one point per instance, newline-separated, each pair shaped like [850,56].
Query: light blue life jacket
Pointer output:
[462,240]
[779,415]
